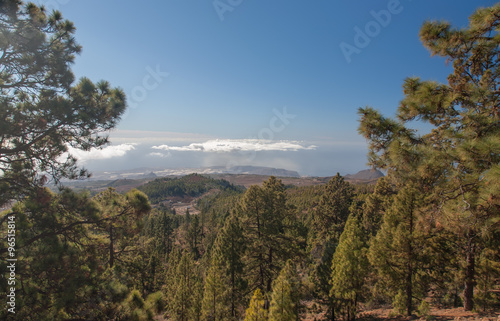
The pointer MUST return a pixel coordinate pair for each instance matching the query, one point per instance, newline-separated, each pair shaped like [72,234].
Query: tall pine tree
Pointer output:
[183,289]
[285,299]
[216,297]
[232,246]
[266,220]
[349,268]
[42,112]
[397,252]
[328,223]
[459,159]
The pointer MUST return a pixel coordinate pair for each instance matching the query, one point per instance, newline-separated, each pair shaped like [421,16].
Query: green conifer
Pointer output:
[456,164]
[285,298]
[349,268]
[256,310]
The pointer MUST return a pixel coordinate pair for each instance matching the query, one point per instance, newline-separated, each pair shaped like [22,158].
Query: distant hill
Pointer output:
[179,182]
[192,185]
[365,175]
[121,182]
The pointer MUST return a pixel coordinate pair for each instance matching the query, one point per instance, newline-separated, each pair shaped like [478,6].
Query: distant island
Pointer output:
[145,172]
[139,173]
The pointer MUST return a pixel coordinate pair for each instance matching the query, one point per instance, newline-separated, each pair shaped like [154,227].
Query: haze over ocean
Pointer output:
[251,82]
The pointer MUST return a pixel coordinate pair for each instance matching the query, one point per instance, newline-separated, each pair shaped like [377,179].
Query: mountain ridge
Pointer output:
[365,175]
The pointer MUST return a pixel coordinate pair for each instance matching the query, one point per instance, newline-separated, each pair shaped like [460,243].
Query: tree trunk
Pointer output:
[409,271]
[233,285]
[270,263]
[355,305]
[455,298]
[261,259]
[214,303]
[409,290]
[111,249]
[269,280]
[469,274]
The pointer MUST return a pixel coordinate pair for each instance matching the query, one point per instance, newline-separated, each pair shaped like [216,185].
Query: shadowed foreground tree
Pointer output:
[458,161]
[61,266]
[42,114]
[65,256]
[121,220]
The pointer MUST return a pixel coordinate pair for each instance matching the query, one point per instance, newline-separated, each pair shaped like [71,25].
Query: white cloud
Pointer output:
[104,153]
[160,154]
[154,137]
[231,145]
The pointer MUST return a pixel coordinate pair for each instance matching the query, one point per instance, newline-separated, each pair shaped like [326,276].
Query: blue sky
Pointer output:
[234,66]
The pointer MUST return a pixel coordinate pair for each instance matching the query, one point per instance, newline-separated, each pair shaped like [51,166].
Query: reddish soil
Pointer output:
[457,314]
[385,314]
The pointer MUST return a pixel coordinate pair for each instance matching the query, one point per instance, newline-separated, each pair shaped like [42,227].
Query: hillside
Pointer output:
[243,179]
[189,186]
[365,175]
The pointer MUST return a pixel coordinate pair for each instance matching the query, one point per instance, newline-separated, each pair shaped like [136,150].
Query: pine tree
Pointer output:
[489,277]
[170,279]
[398,250]
[265,216]
[193,235]
[61,267]
[328,223]
[457,162]
[375,206]
[122,218]
[333,209]
[256,310]
[285,298]
[216,304]
[349,268]
[232,246]
[185,279]
[41,111]
[197,294]
[160,226]
[143,265]
[321,272]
